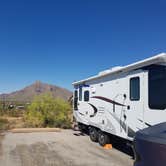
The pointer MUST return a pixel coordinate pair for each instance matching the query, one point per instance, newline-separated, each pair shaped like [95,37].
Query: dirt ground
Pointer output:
[14,122]
[1,138]
[65,148]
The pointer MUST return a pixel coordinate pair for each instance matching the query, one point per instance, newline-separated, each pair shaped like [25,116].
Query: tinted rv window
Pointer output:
[135,88]
[86,95]
[75,94]
[80,93]
[157,87]
[75,100]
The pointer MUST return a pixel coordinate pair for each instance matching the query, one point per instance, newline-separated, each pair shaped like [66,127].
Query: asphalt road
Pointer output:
[65,148]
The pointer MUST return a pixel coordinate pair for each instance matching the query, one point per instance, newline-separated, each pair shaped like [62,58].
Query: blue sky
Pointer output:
[59,41]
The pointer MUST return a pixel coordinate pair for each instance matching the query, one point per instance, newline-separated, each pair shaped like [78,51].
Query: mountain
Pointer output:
[28,93]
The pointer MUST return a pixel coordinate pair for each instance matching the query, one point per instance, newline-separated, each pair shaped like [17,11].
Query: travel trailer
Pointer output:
[122,100]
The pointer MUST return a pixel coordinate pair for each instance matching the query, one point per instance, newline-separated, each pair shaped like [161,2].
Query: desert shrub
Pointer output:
[14,113]
[6,110]
[46,111]
[3,124]
[1,108]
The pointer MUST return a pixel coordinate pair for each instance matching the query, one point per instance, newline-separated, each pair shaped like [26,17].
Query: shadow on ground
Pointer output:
[117,143]
[123,146]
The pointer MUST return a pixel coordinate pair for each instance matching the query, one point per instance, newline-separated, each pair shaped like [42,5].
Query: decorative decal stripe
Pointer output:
[145,123]
[140,120]
[81,113]
[108,100]
[95,110]
[131,132]
[84,85]
[148,124]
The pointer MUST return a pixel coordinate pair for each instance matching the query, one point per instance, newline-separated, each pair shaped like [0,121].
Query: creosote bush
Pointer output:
[47,111]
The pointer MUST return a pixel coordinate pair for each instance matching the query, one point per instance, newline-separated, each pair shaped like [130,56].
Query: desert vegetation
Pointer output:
[47,111]
[44,111]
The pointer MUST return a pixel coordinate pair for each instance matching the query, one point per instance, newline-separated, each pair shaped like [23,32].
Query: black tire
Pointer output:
[103,138]
[93,134]
[83,128]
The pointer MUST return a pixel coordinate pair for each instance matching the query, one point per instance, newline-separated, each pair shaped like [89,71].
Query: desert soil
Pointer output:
[65,148]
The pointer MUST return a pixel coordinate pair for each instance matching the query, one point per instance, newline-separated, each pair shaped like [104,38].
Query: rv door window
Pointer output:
[135,88]
[86,95]
[80,93]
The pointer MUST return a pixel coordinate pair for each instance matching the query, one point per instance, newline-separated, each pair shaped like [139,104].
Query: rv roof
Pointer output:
[158,59]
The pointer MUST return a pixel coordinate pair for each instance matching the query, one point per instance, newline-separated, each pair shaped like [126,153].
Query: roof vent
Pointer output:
[104,72]
[110,70]
[116,68]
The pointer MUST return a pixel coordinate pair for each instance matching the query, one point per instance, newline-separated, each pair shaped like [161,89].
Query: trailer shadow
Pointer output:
[118,143]
[122,145]
[80,134]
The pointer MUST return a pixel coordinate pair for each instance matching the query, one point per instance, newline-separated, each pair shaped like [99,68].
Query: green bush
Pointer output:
[46,111]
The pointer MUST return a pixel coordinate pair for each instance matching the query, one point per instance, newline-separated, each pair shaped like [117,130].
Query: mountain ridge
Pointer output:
[37,88]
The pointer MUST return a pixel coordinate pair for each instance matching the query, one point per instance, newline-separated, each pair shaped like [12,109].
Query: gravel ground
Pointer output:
[65,148]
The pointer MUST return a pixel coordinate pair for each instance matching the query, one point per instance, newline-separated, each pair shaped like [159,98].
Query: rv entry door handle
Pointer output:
[125,117]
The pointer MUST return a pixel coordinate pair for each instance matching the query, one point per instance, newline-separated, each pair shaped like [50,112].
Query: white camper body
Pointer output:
[123,100]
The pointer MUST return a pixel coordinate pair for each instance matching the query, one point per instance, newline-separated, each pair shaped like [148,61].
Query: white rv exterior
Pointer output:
[123,100]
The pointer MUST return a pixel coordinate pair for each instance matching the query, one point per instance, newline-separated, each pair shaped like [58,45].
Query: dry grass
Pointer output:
[12,122]
[3,124]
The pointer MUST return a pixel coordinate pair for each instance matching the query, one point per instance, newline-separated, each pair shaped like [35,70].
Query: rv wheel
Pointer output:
[82,128]
[103,138]
[93,133]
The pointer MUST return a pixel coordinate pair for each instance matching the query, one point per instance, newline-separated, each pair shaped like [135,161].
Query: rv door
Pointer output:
[83,106]
[83,99]
[135,108]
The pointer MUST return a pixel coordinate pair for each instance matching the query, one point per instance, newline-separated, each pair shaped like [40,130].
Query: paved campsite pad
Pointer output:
[65,148]
[1,138]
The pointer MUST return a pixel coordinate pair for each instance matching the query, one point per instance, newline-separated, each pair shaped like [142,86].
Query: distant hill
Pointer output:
[37,88]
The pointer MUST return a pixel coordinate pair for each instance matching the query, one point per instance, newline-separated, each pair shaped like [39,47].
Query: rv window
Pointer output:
[135,88]
[75,100]
[157,87]
[80,93]
[75,94]
[86,95]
